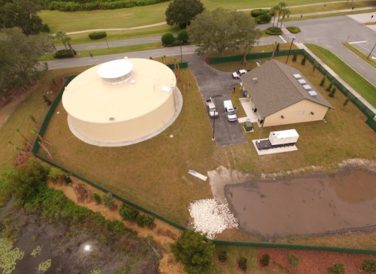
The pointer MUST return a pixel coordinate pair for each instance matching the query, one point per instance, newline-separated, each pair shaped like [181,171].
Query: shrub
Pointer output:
[194,250]
[337,269]
[303,61]
[329,88]
[273,31]
[322,83]
[97,35]
[168,39]
[128,213]
[265,259]
[109,201]
[333,91]
[368,265]
[294,57]
[293,260]
[64,53]
[222,256]
[97,198]
[242,263]
[183,36]
[293,29]
[263,18]
[258,12]
[67,179]
[145,220]
[55,174]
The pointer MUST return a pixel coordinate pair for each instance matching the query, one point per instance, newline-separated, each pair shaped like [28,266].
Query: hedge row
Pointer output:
[97,35]
[64,53]
[94,5]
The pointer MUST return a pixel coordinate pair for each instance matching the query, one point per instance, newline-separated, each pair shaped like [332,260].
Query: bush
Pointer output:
[263,18]
[294,57]
[293,260]
[265,259]
[293,29]
[329,88]
[97,198]
[145,220]
[109,201]
[242,263]
[183,36]
[337,269]
[322,83]
[258,12]
[194,250]
[168,39]
[303,61]
[222,256]
[128,213]
[67,179]
[273,31]
[369,265]
[64,53]
[55,174]
[97,35]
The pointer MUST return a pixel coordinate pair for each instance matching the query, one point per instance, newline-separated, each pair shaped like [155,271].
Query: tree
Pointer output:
[368,265]
[337,269]
[65,40]
[279,11]
[183,36]
[19,57]
[195,251]
[220,30]
[23,14]
[182,12]
[322,83]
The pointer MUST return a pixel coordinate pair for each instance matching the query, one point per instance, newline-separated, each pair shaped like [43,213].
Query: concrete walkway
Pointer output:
[118,29]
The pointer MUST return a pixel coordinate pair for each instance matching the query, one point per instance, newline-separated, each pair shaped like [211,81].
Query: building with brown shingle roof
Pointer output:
[280,95]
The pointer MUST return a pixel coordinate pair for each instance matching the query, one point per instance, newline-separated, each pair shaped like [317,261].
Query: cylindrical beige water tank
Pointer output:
[122,102]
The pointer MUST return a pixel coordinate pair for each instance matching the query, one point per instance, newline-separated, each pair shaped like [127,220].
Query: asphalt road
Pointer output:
[332,32]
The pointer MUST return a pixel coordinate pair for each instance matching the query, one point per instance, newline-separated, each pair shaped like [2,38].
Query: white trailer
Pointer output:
[283,137]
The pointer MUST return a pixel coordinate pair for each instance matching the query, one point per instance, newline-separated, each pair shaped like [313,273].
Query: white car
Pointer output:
[230,111]
[235,75]
[212,110]
[242,71]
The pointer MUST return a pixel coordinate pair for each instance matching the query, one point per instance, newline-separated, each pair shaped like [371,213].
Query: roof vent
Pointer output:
[307,87]
[297,76]
[254,79]
[302,81]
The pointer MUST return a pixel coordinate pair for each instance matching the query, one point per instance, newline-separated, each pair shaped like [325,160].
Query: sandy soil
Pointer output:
[162,233]
[315,204]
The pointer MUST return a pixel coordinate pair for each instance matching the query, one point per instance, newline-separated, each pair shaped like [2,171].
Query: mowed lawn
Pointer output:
[152,173]
[356,81]
[138,16]
[343,135]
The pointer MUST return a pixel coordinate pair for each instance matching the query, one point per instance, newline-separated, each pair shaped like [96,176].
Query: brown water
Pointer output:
[316,204]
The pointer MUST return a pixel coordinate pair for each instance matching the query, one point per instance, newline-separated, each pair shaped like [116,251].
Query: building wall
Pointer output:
[303,111]
[124,131]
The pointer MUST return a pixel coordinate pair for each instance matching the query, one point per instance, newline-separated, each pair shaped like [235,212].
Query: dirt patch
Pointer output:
[307,205]
[313,262]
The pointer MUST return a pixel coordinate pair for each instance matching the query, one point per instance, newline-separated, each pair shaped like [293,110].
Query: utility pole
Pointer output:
[107,43]
[181,54]
[369,55]
[288,55]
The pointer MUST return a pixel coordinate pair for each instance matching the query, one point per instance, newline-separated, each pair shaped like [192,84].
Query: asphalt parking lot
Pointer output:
[218,85]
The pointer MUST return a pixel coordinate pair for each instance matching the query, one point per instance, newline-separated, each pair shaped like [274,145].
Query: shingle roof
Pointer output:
[276,88]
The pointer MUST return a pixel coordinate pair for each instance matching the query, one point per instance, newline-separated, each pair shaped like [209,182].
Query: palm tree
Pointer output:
[65,40]
[285,12]
[280,11]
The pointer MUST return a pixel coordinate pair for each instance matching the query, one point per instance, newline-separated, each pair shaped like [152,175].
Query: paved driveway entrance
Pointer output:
[218,85]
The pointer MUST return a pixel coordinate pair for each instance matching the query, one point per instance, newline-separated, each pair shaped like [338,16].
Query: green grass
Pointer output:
[106,51]
[149,172]
[360,54]
[357,82]
[131,17]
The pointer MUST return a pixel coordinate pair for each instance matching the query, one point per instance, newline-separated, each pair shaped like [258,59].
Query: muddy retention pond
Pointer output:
[313,204]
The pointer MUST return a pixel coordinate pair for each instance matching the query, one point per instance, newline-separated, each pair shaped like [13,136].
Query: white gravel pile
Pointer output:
[211,217]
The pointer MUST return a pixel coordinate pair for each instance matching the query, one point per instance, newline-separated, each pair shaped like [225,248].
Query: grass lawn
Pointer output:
[152,173]
[131,17]
[106,51]
[20,119]
[360,54]
[357,82]
[320,143]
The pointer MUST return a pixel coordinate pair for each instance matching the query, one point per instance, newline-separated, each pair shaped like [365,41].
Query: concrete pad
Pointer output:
[273,150]
[252,117]
[364,18]
[242,120]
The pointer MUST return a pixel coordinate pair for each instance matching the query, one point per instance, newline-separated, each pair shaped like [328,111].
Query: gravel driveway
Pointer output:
[217,84]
